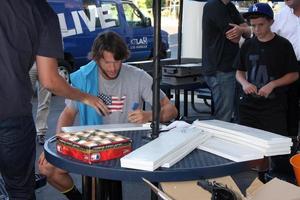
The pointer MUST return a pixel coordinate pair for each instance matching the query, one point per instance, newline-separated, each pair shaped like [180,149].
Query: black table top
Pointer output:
[198,164]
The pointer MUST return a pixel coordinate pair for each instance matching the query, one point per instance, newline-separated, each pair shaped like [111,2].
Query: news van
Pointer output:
[82,20]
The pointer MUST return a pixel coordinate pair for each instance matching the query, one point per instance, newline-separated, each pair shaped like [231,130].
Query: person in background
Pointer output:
[123,90]
[265,73]
[266,66]
[287,24]
[29,31]
[222,28]
[43,108]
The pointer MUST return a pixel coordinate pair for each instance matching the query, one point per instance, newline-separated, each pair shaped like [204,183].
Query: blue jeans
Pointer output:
[222,85]
[17,157]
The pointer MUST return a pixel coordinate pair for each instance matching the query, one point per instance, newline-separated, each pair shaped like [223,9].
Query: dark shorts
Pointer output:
[293,108]
[266,115]
[17,157]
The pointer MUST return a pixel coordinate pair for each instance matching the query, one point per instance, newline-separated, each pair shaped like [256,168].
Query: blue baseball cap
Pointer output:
[263,9]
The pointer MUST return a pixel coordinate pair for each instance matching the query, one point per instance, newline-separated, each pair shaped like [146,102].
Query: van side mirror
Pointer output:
[147,21]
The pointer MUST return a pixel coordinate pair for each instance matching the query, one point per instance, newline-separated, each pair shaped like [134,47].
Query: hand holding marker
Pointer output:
[135,106]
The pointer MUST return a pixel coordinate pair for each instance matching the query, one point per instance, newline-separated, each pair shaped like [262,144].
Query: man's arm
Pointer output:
[284,80]
[167,112]
[66,118]
[237,31]
[246,30]
[52,81]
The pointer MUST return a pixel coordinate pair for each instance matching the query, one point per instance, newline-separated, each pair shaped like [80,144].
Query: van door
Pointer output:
[139,35]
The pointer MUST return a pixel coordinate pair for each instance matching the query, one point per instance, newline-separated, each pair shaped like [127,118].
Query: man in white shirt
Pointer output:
[287,24]
[43,106]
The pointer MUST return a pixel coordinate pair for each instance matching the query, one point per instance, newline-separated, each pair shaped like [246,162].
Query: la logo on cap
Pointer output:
[254,8]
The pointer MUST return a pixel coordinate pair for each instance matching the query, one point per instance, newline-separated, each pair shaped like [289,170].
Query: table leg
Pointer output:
[177,101]
[168,93]
[101,189]
[115,190]
[108,189]
[193,102]
[185,103]
[86,187]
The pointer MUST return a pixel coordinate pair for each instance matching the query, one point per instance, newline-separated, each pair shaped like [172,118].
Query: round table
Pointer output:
[197,165]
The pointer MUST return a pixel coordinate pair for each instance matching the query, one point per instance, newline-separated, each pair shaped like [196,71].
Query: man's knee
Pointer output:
[49,170]
[44,169]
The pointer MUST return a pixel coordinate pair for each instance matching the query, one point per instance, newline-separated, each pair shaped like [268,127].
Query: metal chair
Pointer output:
[203,93]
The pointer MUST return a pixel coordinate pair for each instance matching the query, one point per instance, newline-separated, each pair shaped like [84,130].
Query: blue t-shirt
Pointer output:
[27,28]
[132,86]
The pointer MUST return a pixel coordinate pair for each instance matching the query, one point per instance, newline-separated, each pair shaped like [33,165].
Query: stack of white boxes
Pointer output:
[232,141]
[241,143]
[165,150]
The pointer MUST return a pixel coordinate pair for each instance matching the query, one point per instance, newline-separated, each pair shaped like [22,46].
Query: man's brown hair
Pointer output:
[111,42]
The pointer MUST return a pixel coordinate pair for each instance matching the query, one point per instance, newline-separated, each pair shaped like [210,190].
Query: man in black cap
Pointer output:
[266,65]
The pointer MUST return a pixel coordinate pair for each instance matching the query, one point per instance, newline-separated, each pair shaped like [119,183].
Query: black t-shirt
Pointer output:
[27,28]
[218,52]
[267,61]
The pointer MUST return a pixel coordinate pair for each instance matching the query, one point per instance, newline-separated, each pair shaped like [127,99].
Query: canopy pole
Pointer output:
[180,32]
[156,70]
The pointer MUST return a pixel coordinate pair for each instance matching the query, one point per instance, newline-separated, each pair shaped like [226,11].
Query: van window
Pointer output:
[89,6]
[133,15]
[113,12]
[90,9]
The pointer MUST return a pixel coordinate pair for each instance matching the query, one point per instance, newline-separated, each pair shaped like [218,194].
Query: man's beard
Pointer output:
[107,76]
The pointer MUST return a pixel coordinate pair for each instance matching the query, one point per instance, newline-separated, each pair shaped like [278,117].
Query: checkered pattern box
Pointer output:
[92,146]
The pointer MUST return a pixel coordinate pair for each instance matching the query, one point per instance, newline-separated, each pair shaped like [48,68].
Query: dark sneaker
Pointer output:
[40,181]
[41,139]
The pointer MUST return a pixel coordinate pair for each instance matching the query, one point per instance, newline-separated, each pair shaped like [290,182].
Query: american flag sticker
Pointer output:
[114,104]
